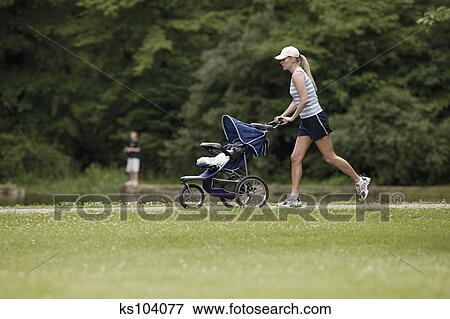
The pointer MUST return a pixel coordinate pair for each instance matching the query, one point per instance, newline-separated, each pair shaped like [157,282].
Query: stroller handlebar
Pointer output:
[263,127]
[269,126]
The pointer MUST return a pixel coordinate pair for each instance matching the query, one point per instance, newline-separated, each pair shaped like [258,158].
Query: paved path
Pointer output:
[24,210]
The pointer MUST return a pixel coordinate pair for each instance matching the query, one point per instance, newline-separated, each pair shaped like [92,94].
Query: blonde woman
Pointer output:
[313,127]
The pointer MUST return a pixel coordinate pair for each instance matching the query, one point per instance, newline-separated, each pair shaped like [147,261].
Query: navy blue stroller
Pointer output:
[226,175]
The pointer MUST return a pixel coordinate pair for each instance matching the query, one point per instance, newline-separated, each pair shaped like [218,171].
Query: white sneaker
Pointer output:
[291,201]
[134,183]
[128,183]
[362,187]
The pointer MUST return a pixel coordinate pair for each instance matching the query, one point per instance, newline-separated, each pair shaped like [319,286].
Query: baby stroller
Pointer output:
[226,175]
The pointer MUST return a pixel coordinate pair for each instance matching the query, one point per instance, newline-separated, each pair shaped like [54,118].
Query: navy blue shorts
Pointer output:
[315,126]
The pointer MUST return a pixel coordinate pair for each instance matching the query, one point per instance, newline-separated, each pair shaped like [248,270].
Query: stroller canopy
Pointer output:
[237,131]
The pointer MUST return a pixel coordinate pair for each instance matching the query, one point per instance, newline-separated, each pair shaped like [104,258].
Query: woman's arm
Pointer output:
[290,109]
[299,82]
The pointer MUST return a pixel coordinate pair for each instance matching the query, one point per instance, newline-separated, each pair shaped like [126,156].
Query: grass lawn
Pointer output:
[294,259]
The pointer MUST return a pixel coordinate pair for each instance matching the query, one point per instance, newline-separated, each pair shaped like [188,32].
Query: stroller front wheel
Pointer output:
[252,191]
[192,196]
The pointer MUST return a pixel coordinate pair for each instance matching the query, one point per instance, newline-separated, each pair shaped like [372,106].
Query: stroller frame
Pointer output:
[236,184]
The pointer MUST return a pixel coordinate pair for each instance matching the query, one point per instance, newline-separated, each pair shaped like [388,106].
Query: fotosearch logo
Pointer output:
[333,207]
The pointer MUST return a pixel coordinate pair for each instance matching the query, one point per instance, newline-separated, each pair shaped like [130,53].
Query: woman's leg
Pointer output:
[301,146]
[325,146]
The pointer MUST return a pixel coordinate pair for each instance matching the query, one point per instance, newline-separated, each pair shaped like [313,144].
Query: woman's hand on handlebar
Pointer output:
[281,120]
[278,119]
[285,119]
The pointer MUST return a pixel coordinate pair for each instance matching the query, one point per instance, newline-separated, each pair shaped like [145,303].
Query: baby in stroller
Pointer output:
[224,154]
[226,174]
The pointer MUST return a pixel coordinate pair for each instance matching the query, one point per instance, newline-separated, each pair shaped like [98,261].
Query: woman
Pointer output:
[313,125]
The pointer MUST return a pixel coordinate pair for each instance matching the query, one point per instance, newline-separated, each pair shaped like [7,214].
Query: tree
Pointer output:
[76,77]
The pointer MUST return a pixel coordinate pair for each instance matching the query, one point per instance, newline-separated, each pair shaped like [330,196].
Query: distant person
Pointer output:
[133,150]
[313,127]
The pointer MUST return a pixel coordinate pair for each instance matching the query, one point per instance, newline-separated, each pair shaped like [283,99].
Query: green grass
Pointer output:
[294,259]
[95,179]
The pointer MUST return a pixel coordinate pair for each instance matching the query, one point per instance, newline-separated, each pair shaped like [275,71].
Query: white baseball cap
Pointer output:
[288,51]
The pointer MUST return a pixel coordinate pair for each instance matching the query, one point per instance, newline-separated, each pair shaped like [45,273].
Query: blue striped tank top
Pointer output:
[312,107]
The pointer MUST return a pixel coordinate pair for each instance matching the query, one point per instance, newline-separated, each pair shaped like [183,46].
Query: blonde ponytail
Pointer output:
[305,66]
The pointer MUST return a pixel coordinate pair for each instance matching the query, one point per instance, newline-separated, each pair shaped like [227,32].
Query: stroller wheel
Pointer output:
[192,196]
[252,191]
[227,202]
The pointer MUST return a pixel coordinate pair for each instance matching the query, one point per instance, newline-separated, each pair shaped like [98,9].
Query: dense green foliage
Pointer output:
[197,60]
